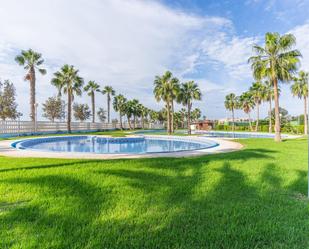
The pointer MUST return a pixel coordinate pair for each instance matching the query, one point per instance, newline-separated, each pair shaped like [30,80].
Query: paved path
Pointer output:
[224,146]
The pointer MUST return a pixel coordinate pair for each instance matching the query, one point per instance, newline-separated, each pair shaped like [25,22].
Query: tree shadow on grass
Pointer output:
[63,220]
[235,214]
[168,207]
[53,165]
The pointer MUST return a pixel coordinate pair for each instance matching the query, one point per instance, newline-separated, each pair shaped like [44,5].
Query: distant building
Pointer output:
[226,121]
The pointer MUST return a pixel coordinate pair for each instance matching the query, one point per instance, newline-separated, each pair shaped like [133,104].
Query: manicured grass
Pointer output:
[253,198]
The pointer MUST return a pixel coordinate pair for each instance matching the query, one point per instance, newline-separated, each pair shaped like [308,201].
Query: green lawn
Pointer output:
[254,198]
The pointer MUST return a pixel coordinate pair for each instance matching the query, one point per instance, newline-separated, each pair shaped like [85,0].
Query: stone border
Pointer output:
[224,146]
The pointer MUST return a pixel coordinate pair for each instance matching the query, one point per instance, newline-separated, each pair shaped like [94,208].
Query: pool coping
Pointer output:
[224,146]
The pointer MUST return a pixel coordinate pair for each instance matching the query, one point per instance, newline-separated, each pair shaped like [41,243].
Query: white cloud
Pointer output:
[233,52]
[122,43]
[125,43]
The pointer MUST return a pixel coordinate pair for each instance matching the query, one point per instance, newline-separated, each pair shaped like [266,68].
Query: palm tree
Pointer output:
[166,89]
[135,108]
[300,89]
[119,106]
[109,91]
[68,81]
[189,91]
[231,104]
[174,92]
[247,103]
[129,112]
[196,114]
[31,61]
[91,88]
[258,93]
[144,111]
[277,62]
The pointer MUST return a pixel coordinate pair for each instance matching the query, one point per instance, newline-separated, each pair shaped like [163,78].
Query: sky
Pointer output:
[126,43]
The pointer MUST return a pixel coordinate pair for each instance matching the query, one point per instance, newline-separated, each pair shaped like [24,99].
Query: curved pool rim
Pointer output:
[208,144]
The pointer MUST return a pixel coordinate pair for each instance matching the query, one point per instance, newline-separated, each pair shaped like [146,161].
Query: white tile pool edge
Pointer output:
[223,146]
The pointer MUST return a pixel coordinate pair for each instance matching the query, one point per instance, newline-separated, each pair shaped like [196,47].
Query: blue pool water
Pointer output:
[229,134]
[103,145]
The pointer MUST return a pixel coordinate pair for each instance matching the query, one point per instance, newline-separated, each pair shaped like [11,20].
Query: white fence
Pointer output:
[25,127]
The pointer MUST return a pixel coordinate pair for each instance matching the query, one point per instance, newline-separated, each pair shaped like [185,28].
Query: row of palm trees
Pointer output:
[132,109]
[259,92]
[275,62]
[168,89]
[264,92]
[68,81]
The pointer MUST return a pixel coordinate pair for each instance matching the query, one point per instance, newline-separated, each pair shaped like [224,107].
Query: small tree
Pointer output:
[81,112]
[8,105]
[102,114]
[53,108]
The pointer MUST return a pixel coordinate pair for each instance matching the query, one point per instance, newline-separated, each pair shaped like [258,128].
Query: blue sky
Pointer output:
[125,43]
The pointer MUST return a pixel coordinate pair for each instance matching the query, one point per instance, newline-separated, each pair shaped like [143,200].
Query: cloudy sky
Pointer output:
[125,43]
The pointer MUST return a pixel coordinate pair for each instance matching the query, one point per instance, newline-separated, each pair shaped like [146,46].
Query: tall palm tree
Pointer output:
[247,103]
[174,92]
[276,61]
[31,61]
[189,91]
[119,106]
[109,91]
[231,104]
[91,88]
[166,89]
[258,93]
[300,89]
[69,82]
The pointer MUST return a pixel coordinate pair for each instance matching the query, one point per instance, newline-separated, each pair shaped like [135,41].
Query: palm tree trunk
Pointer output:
[277,114]
[168,118]
[250,125]
[257,116]
[270,129]
[32,93]
[233,119]
[142,121]
[189,118]
[305,116]
[69,111]
[120,120]
[129,122]
[172,117]
[134,121]
[93,107]
[108,108]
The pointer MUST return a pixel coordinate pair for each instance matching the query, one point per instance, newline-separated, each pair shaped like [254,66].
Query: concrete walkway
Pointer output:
[224,146]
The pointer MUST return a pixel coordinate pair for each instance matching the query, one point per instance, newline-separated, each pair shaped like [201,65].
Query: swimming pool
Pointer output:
[107,145]
[229,134]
